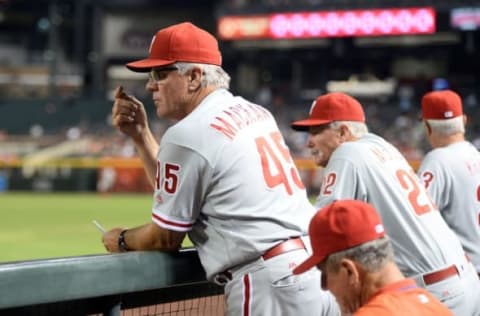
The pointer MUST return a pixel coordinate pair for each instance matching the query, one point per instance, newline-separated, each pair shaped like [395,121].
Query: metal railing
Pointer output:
[102,284]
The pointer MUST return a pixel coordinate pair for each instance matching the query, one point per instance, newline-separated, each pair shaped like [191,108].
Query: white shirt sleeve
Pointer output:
[341,181]
[181,183]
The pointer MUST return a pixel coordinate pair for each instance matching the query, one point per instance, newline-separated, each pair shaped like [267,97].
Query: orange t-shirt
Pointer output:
[403,298]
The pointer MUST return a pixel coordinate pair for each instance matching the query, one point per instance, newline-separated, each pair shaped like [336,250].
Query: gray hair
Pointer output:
[372,255]
[358,129]
[213,75]
[447,127]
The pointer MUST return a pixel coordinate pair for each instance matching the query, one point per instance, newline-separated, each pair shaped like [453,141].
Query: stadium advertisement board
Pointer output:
[319,24]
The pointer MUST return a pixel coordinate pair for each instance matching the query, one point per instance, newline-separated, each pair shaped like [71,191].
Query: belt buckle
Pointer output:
[222,278]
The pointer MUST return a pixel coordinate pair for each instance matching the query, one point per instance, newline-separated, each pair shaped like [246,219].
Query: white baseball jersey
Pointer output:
[372,170]
[451,175]
[226,177]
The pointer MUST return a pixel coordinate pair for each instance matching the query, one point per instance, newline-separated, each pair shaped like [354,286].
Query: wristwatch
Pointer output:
[122,245]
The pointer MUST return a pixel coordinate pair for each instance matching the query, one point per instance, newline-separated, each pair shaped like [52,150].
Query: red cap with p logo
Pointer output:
[182,42]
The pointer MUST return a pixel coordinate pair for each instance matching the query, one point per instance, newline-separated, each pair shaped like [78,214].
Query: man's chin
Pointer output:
[161,113]
[319,162]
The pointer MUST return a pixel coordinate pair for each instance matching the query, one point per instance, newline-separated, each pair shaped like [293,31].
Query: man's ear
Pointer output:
[351,270]
[194,79]
[345,133]
[428,127]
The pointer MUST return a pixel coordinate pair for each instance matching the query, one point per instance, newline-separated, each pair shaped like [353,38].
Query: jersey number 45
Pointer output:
[277,164]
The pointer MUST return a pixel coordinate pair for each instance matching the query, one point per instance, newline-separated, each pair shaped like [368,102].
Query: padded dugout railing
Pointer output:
[109,285]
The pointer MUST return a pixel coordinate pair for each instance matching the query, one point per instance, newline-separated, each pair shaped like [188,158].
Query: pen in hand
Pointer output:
[100,227]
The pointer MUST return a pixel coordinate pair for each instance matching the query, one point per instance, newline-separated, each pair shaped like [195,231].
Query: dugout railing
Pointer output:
[154,283]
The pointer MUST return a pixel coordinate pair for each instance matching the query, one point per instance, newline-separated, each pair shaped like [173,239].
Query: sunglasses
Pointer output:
[160,73]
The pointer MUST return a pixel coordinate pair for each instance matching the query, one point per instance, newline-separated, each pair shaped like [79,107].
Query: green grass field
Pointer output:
[50,225]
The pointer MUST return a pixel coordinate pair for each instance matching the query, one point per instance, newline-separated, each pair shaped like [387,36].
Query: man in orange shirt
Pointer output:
[355,256]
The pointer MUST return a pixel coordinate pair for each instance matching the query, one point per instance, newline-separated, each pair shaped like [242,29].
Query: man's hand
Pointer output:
[145,237]
[110,239]
[129,115]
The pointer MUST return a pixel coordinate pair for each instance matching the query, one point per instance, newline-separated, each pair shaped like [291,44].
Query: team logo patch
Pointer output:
[379,229]
[448,114]
[423,298]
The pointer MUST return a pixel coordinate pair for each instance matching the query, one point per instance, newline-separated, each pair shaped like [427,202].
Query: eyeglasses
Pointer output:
[160,73]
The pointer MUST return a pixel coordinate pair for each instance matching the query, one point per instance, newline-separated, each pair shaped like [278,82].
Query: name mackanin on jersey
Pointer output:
[238,116]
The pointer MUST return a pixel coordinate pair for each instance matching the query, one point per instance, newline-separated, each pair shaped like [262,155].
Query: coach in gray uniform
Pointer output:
[223,174]
[451,171]
[363,166]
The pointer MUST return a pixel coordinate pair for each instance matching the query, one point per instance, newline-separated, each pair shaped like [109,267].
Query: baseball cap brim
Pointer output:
[308,264]
[145,65]
[304,125]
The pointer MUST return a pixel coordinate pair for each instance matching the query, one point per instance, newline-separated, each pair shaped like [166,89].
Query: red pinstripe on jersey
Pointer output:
[246,295]
[180,225]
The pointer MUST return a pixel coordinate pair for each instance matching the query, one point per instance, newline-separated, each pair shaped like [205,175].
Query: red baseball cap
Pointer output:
[331,107]
[180,42]
[341,225]
[441,105]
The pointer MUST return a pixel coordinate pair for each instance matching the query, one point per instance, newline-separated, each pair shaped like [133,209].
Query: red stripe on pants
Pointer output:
[246,295]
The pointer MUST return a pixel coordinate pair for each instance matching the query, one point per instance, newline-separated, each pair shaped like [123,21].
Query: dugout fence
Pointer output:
[133,283]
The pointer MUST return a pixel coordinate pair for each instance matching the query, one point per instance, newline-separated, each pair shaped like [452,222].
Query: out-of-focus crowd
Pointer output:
[396,119]
[393,118]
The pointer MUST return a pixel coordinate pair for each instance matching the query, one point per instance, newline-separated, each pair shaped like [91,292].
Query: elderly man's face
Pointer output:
[322,141]
[170,92]
[343,284]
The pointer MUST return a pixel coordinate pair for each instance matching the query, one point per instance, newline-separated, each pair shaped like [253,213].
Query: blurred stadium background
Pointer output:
[61,60]
[61,162]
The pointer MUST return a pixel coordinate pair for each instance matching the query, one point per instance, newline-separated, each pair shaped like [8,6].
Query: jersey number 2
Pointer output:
[274,165]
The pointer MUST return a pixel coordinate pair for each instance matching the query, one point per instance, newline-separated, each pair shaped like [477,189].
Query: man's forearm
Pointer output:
[152,237]
[147,148]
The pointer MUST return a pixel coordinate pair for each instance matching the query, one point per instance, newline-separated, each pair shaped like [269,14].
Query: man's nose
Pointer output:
[150,85]
[309,141]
